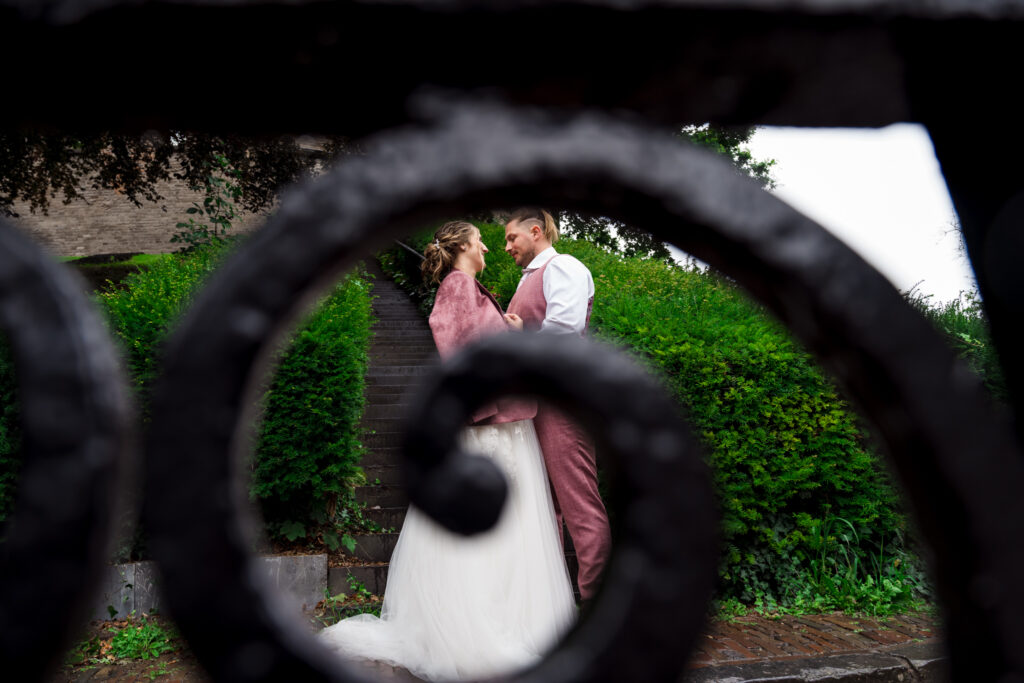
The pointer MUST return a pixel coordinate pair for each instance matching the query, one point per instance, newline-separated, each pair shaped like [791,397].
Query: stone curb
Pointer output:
[134,587]
[923,661]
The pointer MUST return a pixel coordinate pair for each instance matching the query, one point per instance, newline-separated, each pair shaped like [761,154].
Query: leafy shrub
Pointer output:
[963,324]
[788,456]
[309,446]
[141,312]
[208,223]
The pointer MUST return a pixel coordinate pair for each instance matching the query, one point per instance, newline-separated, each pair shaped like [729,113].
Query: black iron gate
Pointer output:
[568,108]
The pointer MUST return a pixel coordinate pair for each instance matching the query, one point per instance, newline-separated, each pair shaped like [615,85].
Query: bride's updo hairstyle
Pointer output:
[535,214]
[439,255]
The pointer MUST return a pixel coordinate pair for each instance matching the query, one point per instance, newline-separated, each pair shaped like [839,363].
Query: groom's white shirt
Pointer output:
[565,282]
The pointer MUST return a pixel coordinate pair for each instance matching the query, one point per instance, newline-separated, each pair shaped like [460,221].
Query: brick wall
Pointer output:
[105,222]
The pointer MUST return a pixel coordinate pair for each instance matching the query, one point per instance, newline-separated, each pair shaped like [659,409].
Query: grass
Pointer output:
[135,260]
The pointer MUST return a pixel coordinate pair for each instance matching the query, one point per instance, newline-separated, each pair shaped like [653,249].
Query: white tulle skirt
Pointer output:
[459,607]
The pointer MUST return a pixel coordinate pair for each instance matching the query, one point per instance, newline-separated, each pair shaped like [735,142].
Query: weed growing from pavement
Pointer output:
[358,600]
[134,638]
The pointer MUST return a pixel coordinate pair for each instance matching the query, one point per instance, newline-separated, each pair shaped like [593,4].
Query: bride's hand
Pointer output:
[514,322]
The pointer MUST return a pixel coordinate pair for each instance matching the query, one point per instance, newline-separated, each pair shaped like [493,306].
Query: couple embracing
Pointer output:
[458,607]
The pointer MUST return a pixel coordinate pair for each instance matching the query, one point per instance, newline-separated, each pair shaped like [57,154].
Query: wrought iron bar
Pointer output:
[409,249]
[816,62]
[928,408]
[76,431]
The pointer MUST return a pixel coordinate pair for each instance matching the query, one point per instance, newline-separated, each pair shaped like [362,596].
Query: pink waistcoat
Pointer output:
[529,303]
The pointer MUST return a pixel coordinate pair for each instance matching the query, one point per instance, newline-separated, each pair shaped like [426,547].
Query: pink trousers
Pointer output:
[572,470]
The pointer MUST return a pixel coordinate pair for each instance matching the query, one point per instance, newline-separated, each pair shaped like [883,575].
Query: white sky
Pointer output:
[881,192]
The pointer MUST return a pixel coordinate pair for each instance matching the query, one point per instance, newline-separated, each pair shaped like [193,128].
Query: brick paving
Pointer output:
[757,638]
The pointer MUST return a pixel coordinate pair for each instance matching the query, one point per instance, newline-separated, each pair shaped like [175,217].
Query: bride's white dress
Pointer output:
[458,607]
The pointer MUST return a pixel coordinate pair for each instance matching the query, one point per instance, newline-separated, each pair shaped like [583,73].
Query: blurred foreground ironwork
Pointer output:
[564,103]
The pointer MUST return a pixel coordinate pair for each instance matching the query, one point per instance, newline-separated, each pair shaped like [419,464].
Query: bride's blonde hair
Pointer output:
[439,255]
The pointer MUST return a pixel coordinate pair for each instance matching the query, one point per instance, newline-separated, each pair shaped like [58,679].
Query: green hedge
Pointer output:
[103,270]
[309,440]
[789,458]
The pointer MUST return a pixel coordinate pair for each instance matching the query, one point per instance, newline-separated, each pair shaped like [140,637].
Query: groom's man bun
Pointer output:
[535,214]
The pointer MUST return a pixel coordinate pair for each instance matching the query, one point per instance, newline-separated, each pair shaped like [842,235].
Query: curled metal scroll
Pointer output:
[957,459]
[665,559]
[75,420]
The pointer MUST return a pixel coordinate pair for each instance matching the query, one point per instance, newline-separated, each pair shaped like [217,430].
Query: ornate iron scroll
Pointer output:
[928,409]
[75,427]
[811,62]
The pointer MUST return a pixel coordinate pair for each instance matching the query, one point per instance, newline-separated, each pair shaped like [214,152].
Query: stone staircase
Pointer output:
[401,353]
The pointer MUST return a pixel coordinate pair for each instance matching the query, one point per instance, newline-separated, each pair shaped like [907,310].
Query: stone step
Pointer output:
[389,425]
[373,577]
[410,356]
[408,335]
[410,331]
[384,393]
[380,439]
[393,380]
[389,399]
[403,345]
[395,307]
[383,496]
[398,370]
[379,410]
[399,347]
[388,323]
[374,547]
[400,340]
[406,317]
[390,475]
[386,456]
[417,354]
[387,517]
[390,359]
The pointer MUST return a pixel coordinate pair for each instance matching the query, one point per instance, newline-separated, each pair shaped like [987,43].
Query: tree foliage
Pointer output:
[38,167]
[732,143]
[635,241]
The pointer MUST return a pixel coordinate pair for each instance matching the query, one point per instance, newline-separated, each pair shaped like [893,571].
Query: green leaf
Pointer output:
[349,543]
[293,530]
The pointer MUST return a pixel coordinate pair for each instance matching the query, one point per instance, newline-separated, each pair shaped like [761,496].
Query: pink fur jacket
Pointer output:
[465,312]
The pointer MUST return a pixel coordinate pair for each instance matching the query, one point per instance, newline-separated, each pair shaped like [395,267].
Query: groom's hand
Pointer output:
[514,321]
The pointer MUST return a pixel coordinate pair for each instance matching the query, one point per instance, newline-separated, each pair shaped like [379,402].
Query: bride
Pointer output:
[458,607]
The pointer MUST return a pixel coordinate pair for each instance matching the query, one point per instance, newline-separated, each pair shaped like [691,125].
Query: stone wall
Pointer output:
[105,222]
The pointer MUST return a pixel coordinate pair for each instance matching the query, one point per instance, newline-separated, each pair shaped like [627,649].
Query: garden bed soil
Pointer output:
[179,666]
[335,558]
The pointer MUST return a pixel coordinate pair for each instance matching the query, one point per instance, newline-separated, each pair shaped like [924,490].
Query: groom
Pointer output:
[554,296]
